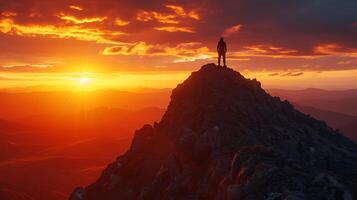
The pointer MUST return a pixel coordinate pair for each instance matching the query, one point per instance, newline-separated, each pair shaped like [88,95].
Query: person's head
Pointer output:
[221,39]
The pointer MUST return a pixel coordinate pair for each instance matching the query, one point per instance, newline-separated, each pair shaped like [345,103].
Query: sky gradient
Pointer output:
[283,43]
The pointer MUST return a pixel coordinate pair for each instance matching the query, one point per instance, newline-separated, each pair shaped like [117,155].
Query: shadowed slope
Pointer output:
[224,137]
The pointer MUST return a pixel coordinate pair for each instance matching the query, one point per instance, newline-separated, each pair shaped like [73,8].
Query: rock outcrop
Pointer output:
[224,137]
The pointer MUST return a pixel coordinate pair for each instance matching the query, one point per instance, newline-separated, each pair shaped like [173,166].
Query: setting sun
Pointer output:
[84,80]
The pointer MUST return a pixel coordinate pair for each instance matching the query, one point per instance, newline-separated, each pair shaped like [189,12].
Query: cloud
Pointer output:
[175,29]
[180,11]
[270,49]
[274,74]
[346,62]
[75,7]
[9,14]
[286,74]
[232,30]
[281,35]
[267,50]
[27,67]
[120,22]
[183,52]
[138,48]
[335,49]
[146,16]
[174,17]
[8,26]
[293,74]
[2,78]
[75,20]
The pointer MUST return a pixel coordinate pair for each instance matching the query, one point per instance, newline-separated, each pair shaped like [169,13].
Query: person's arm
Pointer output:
[225,47]
[218,47]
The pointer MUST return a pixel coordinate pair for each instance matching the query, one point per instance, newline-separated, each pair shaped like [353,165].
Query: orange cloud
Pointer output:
[229,31]
[177,9]
[138,48]
[28,65]
[194,15]
[162,18]
[8,26]
[182,52]
[175,29]
[267,50]
[346,62]
[74,7]
[335,49]
[180,11]
[22,67]
[120,22]
[9,14]
[172,18]
[190,49]
[75,20]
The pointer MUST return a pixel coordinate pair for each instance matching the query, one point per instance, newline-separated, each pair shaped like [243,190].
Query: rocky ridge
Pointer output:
[224,137]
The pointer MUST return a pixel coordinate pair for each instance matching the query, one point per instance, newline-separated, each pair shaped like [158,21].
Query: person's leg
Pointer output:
[219,59]
[224,60]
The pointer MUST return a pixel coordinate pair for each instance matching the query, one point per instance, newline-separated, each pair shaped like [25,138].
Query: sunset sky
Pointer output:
[119,43]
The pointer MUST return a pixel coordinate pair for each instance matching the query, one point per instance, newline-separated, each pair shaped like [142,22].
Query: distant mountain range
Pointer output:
[48,155]
[344,101]
[58,130]
[337,108]
[345,123]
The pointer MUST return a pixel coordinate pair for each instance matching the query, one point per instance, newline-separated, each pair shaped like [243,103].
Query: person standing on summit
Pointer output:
[221,49]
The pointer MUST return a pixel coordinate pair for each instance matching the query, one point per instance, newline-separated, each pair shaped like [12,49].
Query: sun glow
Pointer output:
[84,80]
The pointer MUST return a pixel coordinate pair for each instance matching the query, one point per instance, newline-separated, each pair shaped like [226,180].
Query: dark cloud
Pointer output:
[273,74]
[287,23]
[293,74]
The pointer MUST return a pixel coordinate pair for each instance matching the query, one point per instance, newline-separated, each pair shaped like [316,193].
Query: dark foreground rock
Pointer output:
[224,137]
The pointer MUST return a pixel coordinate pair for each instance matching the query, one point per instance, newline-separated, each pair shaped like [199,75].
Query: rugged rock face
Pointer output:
[224,137]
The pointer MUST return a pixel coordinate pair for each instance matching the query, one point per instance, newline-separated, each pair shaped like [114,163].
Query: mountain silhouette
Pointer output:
[224,137]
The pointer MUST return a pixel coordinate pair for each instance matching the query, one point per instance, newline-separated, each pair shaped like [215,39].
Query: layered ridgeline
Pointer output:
[224,137]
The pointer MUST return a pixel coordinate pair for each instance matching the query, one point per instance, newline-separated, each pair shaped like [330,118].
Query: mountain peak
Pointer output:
[224,137]
[216,77]
[215,95]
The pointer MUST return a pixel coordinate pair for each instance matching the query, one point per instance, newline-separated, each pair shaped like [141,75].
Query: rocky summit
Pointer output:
[224,137]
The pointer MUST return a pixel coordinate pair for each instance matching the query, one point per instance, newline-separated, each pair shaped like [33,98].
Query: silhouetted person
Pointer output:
[221,49]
